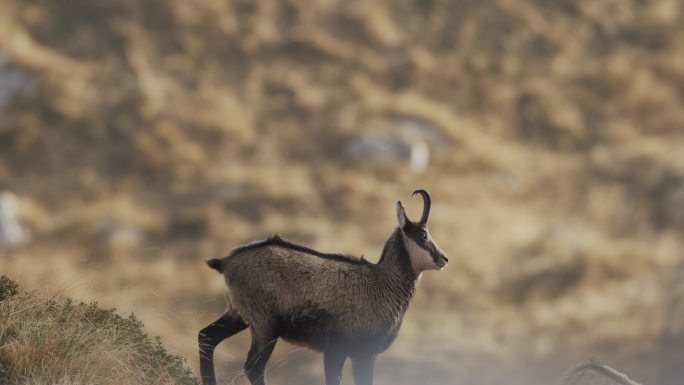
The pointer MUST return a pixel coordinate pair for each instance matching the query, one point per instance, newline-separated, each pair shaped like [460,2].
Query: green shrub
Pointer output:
[8,288]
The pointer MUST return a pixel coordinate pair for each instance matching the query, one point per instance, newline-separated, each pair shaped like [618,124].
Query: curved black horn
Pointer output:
[426,205]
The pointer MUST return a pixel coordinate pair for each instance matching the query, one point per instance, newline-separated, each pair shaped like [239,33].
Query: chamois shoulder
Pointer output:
[277,241]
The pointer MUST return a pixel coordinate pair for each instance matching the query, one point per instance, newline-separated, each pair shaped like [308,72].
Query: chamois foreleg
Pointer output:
[362,369]
[333,362]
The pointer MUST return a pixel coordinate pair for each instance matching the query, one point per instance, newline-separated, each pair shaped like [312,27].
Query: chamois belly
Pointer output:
[318,330]
[312,328]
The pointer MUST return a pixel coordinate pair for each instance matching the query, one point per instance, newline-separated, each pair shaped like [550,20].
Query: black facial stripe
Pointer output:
[413,231]
[434,253]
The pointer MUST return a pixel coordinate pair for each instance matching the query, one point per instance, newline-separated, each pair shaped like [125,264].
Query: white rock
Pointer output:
[12,233]
[390,147]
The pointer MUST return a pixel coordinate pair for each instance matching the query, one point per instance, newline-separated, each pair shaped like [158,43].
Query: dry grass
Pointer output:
[51,340]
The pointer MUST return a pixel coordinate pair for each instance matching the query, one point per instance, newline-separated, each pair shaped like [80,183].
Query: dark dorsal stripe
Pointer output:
[275,240]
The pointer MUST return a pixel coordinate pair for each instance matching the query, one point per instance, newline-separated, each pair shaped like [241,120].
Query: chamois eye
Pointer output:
[422,235]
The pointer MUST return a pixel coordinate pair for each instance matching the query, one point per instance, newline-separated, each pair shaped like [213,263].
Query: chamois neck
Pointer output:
[395,260]
[395,280]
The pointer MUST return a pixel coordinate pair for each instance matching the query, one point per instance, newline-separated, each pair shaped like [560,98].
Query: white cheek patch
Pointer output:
[420,258]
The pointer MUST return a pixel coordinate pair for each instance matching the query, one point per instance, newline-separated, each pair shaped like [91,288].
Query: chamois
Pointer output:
[343,306]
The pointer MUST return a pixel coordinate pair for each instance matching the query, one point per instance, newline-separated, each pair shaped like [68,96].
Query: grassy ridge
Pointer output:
[45,340]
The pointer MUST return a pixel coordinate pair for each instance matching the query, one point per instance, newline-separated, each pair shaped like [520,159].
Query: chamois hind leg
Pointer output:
[263,343]
[228,325]
[362,369]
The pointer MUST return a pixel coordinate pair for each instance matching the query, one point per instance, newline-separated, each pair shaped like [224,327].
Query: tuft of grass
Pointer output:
[49,340]
[8,288]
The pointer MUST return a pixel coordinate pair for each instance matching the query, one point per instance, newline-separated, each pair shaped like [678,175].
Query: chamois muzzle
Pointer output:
[426,205]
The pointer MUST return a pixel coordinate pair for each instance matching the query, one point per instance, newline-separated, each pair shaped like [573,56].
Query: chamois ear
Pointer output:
[401,215]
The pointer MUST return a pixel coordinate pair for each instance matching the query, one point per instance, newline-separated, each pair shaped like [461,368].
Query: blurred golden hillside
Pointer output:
[141,137]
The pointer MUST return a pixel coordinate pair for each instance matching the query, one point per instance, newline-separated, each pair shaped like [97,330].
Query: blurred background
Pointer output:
[138,138]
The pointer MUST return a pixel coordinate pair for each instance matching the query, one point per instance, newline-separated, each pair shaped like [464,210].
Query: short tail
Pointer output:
[216,264]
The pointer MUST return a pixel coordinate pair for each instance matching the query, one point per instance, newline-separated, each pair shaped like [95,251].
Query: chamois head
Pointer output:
[422,249]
